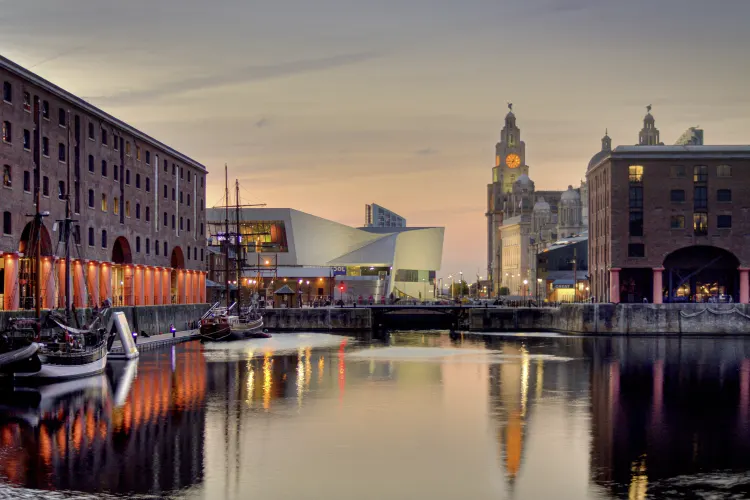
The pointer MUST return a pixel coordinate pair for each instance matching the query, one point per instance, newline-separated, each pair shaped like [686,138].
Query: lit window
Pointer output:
[7,132]
[724,171]
[138,153]
[700,173]
[127,148]
[7,178]
[104,202]
[635,174]
[116,206]
[677,222]
[700,223]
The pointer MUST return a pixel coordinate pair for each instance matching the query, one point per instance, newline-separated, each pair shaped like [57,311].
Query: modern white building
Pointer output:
[377,216]
[317,257]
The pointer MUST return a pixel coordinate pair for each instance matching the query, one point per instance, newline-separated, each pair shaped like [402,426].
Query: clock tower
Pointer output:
[510,154]
[510,164]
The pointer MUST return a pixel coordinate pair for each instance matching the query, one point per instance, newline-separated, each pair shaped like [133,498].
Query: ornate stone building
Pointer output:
[521,221]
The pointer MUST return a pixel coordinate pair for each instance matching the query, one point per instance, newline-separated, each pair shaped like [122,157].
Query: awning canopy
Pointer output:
[563,283]
[284,290]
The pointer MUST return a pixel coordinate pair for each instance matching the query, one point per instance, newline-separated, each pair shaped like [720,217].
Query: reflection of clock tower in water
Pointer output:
[510,164]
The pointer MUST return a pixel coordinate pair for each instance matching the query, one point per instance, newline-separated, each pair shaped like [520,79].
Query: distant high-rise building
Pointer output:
[692,137]
[377,216]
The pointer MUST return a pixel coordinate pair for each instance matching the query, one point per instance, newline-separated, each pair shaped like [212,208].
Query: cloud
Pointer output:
[426,152]
[233,77]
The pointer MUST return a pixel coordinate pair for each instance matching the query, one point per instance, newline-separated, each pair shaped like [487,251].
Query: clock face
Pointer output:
[512,160]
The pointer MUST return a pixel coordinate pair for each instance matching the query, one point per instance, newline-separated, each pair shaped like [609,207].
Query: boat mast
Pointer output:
[226,232]
[237,247]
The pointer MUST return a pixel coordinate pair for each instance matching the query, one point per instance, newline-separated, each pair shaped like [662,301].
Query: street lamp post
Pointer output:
[538,288]
[461,284]
[453,289]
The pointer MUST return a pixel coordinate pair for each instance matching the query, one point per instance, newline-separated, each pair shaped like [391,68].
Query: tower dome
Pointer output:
[524,180]
[571,195]
[541,205]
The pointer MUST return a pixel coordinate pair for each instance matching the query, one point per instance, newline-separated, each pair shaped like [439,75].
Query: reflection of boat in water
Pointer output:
[124,379]
[42,403]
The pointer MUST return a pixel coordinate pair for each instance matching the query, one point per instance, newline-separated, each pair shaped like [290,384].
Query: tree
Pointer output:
[460,288]
[504,290]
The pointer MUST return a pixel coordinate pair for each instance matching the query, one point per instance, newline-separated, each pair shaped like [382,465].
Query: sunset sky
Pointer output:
[325,105]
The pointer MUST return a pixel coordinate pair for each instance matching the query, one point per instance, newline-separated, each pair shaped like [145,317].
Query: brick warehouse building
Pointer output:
[670,223]
[139,204]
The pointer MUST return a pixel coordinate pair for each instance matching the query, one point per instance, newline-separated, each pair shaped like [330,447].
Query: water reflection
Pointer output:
[145,437]
[426,415]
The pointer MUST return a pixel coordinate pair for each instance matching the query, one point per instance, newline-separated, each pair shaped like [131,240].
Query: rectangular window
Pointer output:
[45,147]
[45,110]
[138,181]
[45,186]
[91,198]
[635,174]
[636,250]
[138,211]
[724,171]
[127,176]
[180,197]
[636,197]
[116,142]
[91,131]
[104,137]
[104,168]
[724,195]
[677,222]
[166,166]
[166,219]
[138,153]
[61,118]
[7,223]
[148,157]
[7,132]
[127,148]
[116,172]
[116,206]
[700,173]
[700,197]
[26,101]
[165,191]
[636,223]
[61,190]
[148,214]
[27,139]
[104,202]
[677,196]
[61,152]
[27,181]
[91,163]
[181,172]
[148,184]
[127,208]
[91,236]
[700,223]
[7,178]
[104,238]
[174,169]
[7,92]
[724,221]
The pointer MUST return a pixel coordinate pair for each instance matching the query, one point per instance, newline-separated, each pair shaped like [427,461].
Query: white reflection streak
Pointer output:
[525,365]
[300,376]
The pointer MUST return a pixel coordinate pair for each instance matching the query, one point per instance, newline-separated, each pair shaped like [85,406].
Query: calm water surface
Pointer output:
[425,416]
